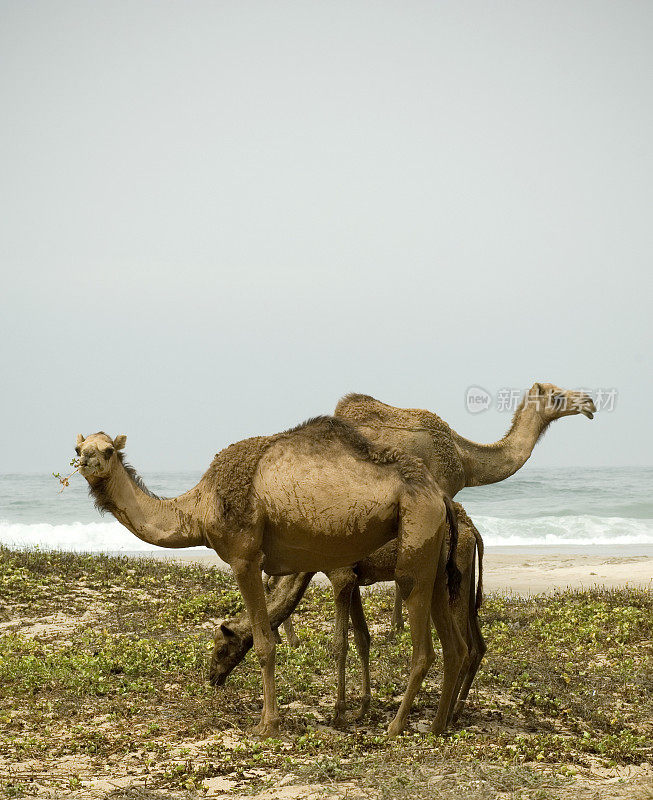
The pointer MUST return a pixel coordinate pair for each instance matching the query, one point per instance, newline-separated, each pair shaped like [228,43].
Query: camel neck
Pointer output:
[166,522]
[490,463]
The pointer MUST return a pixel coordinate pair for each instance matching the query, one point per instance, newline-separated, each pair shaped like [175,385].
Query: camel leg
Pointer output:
[362,640]
[289,630]
[422,530]
[454,651]
[397,612]
[463,608]
[423,653]
[479,648]
[475,640]
[343,582]
[250,583]
[270,583]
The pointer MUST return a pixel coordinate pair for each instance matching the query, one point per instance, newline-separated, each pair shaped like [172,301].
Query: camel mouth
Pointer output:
[586,406]
[87,470]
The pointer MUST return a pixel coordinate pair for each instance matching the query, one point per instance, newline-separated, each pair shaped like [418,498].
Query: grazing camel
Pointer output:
[317,497]
[233,638]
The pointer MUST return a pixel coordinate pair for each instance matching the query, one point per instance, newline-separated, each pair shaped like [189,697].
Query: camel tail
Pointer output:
[479,585]
[453,573]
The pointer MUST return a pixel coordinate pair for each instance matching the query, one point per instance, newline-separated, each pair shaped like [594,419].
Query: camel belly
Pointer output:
[296,549]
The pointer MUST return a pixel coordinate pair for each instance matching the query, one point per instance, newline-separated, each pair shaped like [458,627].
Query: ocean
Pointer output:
[536,507]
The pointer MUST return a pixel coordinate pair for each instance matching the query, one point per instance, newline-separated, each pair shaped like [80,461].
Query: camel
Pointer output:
[233,638]
[456,462]
[315,498]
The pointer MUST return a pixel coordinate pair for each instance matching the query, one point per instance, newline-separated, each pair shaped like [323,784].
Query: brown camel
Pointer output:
[317,497]
[456,462]
[234,639]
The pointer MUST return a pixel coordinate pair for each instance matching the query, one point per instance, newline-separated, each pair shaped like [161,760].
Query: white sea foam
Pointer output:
[566,530]
[93,537]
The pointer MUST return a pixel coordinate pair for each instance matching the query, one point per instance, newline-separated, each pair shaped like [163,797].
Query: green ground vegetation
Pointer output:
[103,673]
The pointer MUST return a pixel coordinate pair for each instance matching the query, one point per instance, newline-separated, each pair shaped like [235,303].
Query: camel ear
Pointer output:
[226,631]
[537,388]
[120,441]
[80,440]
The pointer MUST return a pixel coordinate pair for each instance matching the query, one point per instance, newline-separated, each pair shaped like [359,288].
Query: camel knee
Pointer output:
[265,649]
[422,660]
[422,664]
[405,584]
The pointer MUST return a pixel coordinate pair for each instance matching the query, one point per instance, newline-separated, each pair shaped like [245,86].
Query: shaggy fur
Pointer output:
[100,490]
[324,428]
[232,470]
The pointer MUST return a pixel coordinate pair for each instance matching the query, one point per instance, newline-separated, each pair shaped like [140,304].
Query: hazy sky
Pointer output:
[217,217]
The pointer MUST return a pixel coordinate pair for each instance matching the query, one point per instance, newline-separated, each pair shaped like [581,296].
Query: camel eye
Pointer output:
[108,453]
[78,450]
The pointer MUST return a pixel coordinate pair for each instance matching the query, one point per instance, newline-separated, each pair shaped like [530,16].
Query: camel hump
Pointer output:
[319,431]
[362,409]
[359,408]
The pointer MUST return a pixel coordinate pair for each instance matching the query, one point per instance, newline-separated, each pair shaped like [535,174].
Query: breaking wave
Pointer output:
[565,530]
[580,530]
[88,537]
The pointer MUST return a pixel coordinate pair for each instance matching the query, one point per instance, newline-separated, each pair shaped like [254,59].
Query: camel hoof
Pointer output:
[458,710]
[339,719]
[294,642]
[266,730]
[438,727]
[394,729]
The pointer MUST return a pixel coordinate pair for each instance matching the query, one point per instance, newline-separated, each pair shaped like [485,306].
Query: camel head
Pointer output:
[232,641]
[552,402]
[98,454]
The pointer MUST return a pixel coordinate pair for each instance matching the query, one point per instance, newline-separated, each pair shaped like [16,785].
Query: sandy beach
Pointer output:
[528,570]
